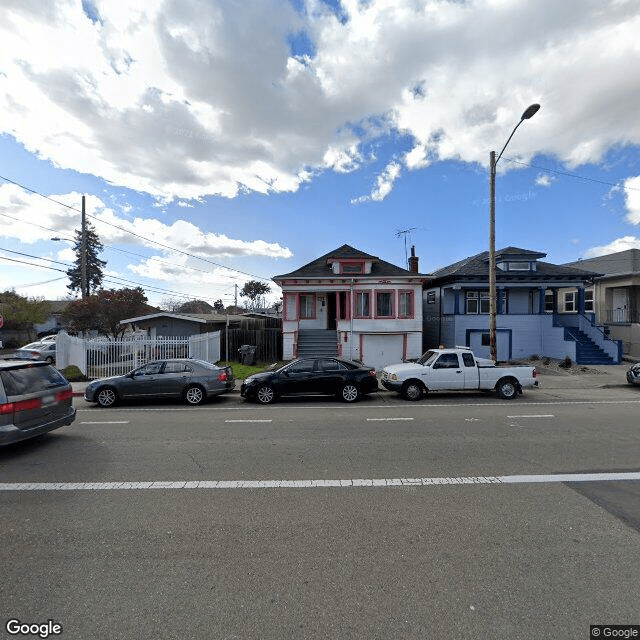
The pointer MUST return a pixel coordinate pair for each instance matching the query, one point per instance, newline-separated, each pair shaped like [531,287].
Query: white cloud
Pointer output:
[632,200]
[620,244]
[188,98]
[384,184]
[544,180]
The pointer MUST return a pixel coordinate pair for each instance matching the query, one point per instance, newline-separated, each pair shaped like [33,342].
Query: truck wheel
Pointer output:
[507,389]
[412,390]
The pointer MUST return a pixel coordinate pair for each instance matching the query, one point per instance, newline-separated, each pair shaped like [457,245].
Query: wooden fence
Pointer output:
[268,343]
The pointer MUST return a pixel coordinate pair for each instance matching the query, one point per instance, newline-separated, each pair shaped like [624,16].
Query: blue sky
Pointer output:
[219,141]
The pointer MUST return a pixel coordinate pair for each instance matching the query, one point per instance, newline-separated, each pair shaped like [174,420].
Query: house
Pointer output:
[260,330]
[615,296]
[355,305]
[529,318]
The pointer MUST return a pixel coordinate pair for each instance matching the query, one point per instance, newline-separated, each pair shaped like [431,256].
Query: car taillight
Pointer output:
[64,395]
[535,373]
[22,405]
[223,376]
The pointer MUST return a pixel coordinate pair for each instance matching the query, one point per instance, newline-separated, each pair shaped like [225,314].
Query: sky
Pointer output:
[222,141]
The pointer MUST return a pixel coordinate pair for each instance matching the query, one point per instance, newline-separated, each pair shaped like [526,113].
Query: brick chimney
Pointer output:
[413,260]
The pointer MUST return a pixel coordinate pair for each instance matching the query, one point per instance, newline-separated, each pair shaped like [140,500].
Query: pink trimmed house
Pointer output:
[354,305]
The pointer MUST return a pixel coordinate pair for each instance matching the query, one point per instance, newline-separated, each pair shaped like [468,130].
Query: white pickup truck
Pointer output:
[456,369]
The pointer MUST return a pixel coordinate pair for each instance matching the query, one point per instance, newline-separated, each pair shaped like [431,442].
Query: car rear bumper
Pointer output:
[10,433]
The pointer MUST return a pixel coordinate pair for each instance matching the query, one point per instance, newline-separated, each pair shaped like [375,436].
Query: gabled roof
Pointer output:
[321,267]
[621,263]
[478,267]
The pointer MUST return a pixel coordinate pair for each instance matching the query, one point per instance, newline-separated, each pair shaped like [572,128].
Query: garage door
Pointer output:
[379,351]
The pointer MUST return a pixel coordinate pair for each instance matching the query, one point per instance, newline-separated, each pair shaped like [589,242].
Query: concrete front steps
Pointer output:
[317,342]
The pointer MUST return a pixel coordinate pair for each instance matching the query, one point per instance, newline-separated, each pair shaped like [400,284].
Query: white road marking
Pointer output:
[309,484]
[539,416]
[111,422]
[387,419]
[248,420]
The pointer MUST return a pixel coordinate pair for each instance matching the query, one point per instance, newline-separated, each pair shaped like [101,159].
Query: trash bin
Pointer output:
[247,354]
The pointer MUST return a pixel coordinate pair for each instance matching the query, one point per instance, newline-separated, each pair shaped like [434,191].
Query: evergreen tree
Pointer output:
[95,266]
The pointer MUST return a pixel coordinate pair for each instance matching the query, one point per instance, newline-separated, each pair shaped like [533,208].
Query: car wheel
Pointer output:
[194,395]
[507,389]
[106,397]
[350,393]
[49,359]
[412,390]
[265,394]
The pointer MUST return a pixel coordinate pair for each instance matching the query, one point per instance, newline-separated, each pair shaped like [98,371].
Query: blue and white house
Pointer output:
[529,321]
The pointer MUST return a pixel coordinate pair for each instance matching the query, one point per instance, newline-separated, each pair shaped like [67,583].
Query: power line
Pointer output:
[164,246]
[572,175]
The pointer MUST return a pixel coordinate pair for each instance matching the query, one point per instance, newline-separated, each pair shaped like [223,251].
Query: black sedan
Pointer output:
[191,380]
[312,376]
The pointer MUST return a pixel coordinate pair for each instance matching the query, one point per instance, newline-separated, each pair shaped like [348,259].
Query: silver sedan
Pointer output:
[193,381]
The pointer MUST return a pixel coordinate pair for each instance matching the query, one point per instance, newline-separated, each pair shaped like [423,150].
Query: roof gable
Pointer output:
[322,267]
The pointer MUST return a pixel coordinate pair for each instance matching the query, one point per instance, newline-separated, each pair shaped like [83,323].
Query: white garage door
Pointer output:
[379,351]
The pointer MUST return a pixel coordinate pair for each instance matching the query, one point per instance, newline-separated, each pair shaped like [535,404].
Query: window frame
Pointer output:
[391,294]
[356,306]
[412,309]
[313,306]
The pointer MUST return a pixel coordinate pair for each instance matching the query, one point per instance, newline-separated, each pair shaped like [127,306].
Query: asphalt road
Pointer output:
[454,517]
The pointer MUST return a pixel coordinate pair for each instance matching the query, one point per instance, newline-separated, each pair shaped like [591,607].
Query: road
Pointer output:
[452,517]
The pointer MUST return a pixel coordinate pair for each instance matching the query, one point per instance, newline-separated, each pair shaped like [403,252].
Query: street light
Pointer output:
[493,161]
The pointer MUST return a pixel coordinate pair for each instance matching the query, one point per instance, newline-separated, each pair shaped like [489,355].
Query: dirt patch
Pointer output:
[553,367]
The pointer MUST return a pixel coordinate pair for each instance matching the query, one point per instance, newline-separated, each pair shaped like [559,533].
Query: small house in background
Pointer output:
[260,330]
[530,319]
[355,305]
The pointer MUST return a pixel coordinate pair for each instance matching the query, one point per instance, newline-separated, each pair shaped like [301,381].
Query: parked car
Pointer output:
[34,398]
[312,376]
[192,380]
[45,351]
[456,370]
[633,374]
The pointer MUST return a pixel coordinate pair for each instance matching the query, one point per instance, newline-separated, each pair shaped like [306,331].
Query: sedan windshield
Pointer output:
[428,357]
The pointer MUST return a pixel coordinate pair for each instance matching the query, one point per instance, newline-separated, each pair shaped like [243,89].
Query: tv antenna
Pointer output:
[405,233]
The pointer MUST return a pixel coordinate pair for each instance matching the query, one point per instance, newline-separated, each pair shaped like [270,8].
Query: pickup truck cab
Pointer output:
[456,369]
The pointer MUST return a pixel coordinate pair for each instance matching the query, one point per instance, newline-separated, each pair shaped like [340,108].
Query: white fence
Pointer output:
[101,357]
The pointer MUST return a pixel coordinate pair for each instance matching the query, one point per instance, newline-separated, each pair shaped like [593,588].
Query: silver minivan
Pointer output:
[34,398]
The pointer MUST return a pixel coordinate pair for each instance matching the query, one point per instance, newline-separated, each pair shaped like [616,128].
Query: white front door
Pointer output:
[620,305]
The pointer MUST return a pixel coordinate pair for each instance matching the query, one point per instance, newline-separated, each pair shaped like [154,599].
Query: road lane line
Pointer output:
[388,419]
[536,416]
[110,422]
[308,484]
[248,420]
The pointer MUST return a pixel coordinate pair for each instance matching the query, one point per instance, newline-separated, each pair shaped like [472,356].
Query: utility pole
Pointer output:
[236,296]
[84,284]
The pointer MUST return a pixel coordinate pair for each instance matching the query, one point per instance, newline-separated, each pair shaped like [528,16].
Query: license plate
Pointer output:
[48,400]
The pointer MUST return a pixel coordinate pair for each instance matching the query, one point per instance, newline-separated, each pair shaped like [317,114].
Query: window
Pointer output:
[477,302]
[588,301]
[384,304]
[485,340]
[431,297]
[548,301]
[405,301]
[447,361]
[307,306]
[519,266]
[363,307]
[149,369]
[176,367]
[352,268]
[302,366]
[468,360]
[570,301]
[330,365]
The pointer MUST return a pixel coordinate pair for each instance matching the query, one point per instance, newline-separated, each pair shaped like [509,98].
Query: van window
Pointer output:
[18,382]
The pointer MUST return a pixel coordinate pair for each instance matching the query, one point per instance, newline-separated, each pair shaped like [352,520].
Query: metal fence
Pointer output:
[101,357]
